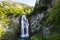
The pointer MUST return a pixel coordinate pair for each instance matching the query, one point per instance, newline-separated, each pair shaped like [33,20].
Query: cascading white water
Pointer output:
[24,26]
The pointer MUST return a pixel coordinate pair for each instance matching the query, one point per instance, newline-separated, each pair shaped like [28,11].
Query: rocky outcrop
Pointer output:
[34,21]
[37,21]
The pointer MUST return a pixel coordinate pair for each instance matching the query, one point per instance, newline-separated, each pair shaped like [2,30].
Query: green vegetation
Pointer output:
[52,19]
[54,16]
[8,28]
[38,36]
[9,11]
[13,8]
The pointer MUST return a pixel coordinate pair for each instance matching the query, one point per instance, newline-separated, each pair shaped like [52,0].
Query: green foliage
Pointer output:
[38,36]
[55,36]
[13,8]
[8,8]
[1,32]
[54,16]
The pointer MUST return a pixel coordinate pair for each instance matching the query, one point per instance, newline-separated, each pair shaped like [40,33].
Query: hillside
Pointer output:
[43,20]
[10,13]
[14,8]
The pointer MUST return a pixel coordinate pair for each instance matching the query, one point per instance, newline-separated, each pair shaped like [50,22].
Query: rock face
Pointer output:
[51,5]
[41,17]
[35,25]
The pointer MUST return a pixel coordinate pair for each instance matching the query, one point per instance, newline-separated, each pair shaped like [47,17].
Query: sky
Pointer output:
[28,2]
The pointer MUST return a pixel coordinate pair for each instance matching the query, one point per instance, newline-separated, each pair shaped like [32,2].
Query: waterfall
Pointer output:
[24,27]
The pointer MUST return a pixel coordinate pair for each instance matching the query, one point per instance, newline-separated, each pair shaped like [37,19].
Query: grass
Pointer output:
[38,36]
